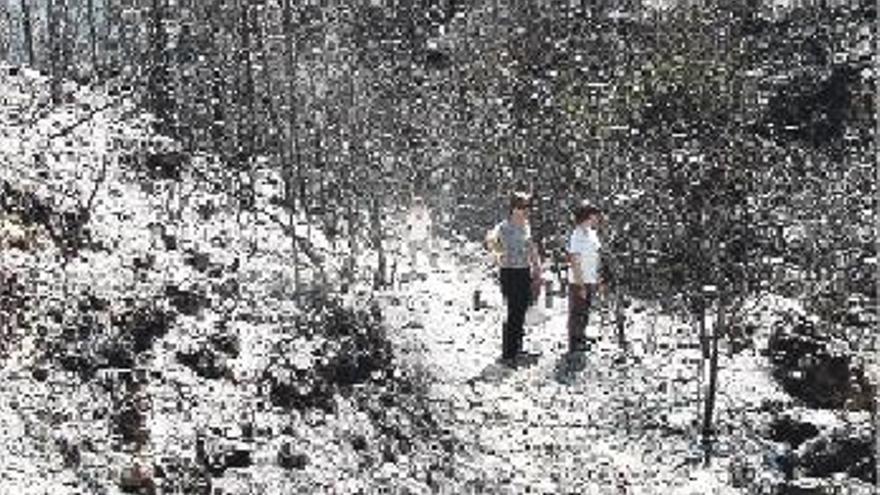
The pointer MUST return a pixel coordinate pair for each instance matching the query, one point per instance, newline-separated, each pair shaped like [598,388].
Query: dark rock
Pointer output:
[228,289]
[226,343]
[83,366]
[70,453]
[142,326]
[785,429]
[809,370]
[170,241]
[789,489]
[165,165]
[290,460]
[40,374]
[204,362]
[247,431]
[129,423]
[359,443]
[287,395]
[199,261]
[740,337]
[118,355]
[144,262]
[206,210]
[185,301]
[238,458]
[92,303]
[840,453]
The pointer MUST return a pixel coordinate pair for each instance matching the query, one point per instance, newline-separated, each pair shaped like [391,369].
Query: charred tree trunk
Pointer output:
[218,87]
[291,183]
[246,104]
[93,39]
[160,103]
[55,24]
[379,278]
[28,31]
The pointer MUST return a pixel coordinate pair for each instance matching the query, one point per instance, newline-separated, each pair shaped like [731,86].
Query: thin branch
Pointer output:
[82,120]
[307,247]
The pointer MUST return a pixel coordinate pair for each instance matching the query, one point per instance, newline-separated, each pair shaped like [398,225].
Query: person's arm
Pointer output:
[574,260]
[493,244]
[575,263]
[534,256]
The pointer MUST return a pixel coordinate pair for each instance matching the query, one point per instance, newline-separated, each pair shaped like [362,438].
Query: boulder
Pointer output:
[166,165]
[288,459]
[816,367]
[851,453]
[790,431]
[205,362]
[186,301]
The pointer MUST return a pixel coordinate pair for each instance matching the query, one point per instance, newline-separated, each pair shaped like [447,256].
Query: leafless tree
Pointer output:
[28,31]
[56,22]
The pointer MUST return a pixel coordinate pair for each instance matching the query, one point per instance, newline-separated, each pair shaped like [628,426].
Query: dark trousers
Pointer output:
[578,314]
[516,287]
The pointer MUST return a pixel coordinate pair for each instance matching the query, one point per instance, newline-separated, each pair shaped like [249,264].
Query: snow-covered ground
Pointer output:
[616,423]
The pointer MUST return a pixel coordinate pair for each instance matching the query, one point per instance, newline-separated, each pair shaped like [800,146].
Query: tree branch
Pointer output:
[307,247]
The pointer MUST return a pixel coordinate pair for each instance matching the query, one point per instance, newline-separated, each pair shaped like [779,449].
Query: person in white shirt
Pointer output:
[418,228]
[584,273]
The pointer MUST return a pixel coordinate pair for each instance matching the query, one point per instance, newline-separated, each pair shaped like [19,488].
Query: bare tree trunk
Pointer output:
[708,430]
[55,22]
[28,31]
[93,39]
[5,32]
[245,55]
[158,79]
[379,278]
[218,112]
[112,40]
[290,184]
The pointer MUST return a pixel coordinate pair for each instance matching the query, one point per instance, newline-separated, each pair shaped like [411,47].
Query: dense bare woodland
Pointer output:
[207,284]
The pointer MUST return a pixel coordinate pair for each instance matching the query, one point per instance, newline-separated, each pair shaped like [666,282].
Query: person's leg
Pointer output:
[578,311]
[506,335]
[519,305]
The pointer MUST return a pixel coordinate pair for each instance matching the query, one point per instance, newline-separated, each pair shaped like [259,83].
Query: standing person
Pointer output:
[584,273]
[517,255]
[418,227]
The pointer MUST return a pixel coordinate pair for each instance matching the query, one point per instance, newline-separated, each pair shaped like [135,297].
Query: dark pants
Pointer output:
[578,314]
[516,287]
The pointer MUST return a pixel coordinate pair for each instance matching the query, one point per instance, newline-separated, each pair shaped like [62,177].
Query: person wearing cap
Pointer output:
[584,273]
[517,255]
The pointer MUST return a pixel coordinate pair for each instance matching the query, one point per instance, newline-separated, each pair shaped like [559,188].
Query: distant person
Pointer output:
[517,255]
[419,231]
[584,273]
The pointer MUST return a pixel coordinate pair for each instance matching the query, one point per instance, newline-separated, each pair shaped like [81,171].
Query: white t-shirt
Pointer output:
[585,242]
[418,223]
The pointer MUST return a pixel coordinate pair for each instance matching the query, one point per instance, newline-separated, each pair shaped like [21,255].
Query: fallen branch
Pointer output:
[307,247]
[82,120]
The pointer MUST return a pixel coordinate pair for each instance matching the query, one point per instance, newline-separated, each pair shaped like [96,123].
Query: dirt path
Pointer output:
[600,426]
